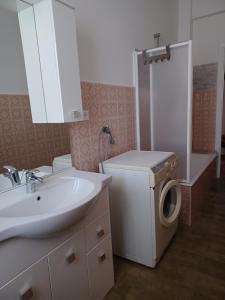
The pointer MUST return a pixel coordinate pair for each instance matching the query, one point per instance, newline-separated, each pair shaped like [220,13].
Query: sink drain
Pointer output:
[38,198]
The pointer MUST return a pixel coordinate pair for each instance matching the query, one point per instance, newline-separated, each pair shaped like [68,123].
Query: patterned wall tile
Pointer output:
[201,190]
[204,120]
[107,105]
[185,215]
[205,76]
[24,144]
[28,145]
[204,107]
[194,197]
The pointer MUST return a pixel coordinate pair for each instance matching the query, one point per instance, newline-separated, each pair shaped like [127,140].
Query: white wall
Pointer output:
[109,30]
[206,7]
[203,21]
[12,69]
[184,20]
[208,36]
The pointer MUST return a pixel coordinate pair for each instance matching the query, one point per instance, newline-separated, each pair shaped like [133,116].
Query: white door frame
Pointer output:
[190,92]
[219,106]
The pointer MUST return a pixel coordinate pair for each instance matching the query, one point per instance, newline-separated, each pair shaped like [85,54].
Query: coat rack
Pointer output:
[160,57]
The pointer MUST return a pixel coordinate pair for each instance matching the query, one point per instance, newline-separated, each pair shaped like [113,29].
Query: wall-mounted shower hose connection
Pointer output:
[104,151]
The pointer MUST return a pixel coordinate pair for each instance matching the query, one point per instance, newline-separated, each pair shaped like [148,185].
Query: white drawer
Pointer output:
[68,270]
[32,284]
[100,267]
[99,206]
[97,231]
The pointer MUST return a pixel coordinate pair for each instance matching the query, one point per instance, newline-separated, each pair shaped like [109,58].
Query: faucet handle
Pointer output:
[10,169]
[40,179]
[13,174]
[30,175]
[35,171]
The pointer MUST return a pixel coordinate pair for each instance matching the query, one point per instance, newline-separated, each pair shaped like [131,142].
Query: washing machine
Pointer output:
[145,202]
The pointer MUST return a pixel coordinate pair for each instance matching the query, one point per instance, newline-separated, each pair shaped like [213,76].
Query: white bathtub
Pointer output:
[199,163]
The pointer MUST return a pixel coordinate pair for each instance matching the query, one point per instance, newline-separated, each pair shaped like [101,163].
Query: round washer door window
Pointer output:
[170,203]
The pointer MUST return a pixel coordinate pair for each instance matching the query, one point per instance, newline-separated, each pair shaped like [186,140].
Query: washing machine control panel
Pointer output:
[165,169]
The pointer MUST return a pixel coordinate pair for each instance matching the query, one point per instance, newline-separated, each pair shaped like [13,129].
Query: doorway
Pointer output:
[220,115]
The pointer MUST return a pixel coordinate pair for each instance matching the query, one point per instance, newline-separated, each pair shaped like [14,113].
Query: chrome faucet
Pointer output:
[31,180]
[13,174]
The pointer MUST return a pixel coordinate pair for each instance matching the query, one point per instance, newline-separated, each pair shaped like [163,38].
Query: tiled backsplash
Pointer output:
[204,120]
[28,145]
[204,108]
[205,76]
[24,144]
[107,105]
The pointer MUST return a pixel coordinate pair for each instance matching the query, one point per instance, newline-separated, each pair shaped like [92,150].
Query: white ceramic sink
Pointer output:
[59,202]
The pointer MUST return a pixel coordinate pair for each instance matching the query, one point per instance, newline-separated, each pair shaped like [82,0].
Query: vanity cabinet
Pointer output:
[99,268]
[68,270]
[96,231]
[77,264]
[33,284]
[49,40]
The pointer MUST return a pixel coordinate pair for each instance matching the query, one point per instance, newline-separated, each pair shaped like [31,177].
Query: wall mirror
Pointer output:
[23,144]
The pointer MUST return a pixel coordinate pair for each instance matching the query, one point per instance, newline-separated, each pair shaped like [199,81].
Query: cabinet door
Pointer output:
[32,284]
[68,270]
[57,41]
[48,31]
[32,64]
[100,269]
[97,231]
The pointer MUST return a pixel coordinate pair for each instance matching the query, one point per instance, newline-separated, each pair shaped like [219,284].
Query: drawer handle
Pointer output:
[101,256]
[27,295]
[70,258]
[100,231]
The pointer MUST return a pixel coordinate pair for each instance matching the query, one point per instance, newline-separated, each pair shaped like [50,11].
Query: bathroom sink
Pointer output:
[59,202]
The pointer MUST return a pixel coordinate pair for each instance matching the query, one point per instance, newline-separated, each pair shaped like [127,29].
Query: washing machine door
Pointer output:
[170,203]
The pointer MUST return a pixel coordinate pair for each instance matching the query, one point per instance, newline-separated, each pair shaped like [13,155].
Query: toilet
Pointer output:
[62,162]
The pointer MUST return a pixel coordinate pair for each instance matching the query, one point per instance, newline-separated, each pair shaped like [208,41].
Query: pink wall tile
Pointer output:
[27,145]
[24,144]
[200,191]
[204,120]
[185,215]
[194,197]
[107,105]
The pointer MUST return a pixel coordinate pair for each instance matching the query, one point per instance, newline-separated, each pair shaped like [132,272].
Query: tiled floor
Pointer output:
[192,268]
